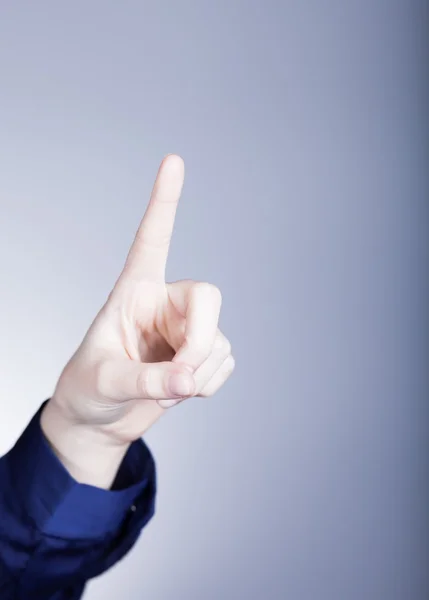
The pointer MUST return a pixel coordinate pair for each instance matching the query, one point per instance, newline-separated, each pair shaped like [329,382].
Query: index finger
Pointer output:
[147,257]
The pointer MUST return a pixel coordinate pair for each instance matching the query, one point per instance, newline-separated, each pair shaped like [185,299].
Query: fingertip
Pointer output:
[174,161]
[181,384]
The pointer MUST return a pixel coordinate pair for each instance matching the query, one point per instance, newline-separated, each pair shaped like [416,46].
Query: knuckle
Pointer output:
[227,348]
[230,364]
[210,289]
[223,346]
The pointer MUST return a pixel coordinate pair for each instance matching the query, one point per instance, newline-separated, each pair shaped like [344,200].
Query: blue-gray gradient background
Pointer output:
[304,130]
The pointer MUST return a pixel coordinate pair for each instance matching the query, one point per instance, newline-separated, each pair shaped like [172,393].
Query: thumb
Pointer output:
[126,379]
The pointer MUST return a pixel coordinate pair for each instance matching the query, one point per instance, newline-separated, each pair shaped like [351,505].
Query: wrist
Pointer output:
[88,455]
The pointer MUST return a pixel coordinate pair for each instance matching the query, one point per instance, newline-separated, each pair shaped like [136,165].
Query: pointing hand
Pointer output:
[152,345]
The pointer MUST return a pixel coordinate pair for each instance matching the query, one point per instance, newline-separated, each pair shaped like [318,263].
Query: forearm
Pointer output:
[87,455]
[56,532]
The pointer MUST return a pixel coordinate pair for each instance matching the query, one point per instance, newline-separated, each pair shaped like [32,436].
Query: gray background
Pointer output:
[303,126]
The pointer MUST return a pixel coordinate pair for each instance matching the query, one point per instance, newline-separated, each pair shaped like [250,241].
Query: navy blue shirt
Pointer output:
[56,533]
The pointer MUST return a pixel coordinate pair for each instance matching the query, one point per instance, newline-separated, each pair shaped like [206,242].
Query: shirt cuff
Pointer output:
[58,505]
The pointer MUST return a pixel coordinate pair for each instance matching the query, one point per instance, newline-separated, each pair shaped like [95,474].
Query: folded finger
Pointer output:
[219,378]
[202,317]
[221,350]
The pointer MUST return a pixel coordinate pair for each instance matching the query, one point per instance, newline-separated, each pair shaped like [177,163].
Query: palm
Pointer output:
[149,329]
[145,327]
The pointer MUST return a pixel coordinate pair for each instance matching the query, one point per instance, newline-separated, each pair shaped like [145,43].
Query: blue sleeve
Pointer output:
[56,533]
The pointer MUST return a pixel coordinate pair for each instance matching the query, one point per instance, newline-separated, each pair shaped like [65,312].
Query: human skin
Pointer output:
[152,345]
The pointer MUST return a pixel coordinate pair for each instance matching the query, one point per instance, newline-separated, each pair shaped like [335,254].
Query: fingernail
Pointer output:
[168,403]
[180,385]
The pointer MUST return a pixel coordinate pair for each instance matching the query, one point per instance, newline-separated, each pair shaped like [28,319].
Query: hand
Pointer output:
[152,345]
